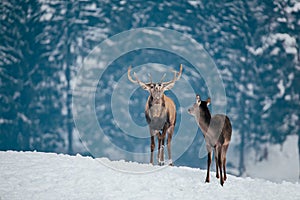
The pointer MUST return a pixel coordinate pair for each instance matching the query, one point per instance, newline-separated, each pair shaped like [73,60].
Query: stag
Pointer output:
[217,133]
[160,113]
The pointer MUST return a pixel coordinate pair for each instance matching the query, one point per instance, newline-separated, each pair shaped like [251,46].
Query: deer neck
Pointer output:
[157,107]
[204,121]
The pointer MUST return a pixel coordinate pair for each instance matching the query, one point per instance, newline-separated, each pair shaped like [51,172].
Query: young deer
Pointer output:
[217,133]
[160,113]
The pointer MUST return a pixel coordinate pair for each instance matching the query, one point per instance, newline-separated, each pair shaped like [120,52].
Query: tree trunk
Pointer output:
[69,107]
[299,151]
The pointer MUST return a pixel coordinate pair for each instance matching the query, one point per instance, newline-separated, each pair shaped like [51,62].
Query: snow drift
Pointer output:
[32,175]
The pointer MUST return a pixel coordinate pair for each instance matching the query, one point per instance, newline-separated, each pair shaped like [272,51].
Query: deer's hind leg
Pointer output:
[224,151]
[170,131]
[217,168]
[219,157]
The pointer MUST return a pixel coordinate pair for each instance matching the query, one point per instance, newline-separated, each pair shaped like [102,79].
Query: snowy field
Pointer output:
[32,175]
[282,162]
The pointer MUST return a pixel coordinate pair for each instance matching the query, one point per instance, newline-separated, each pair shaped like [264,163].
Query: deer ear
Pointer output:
[198,99]
[144,86]
[168,86]
[208,101]
[198,103]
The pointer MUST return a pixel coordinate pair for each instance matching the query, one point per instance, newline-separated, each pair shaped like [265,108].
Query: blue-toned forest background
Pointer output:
[255,45]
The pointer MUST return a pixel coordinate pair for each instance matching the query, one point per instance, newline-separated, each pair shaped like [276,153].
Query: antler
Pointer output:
[150,77]
[129,76]
[136,78]
[162,78]
[175,77]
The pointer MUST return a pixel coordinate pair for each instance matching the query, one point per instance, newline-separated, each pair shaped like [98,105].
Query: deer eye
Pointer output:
[159,84]
[151,86]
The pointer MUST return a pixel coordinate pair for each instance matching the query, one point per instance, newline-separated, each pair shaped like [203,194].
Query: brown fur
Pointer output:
[160,113]
[168,109]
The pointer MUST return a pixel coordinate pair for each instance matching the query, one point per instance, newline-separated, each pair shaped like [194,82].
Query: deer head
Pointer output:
[156,90]
[199,106]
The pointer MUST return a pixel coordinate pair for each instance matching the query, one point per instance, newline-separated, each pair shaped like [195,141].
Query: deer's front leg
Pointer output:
[162,153]
[152,149]
[161,138]
[158,150]
[208,167]
[209,157]
[217,168]
[152,146]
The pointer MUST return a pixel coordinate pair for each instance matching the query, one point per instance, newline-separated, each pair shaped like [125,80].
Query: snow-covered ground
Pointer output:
[281,163]
[32,175]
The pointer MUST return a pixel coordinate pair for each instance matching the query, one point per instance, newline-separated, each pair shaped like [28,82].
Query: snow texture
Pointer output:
[32,175]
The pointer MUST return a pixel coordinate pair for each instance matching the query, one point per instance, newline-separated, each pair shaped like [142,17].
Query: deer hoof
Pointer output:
[222,183]
[161,163]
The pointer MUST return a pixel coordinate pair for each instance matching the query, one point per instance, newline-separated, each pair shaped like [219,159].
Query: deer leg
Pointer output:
[158,149]
[219,150]
[162,147]
[208,167]
[224,168]
[161,152]
[161,141]
[217,168]
[152,149]
[225,147]
[170,134]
